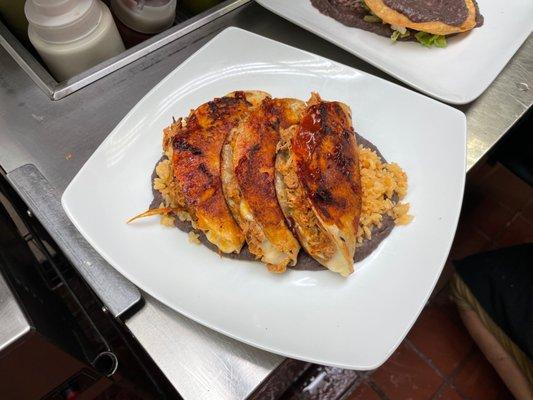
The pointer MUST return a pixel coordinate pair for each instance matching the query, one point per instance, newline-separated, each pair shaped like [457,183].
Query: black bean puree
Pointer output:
[350,13]
[305,262]
[451,12]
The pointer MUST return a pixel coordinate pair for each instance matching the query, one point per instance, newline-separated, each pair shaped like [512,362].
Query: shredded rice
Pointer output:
[163,181]
[194,237]
[380,181]
[166,219]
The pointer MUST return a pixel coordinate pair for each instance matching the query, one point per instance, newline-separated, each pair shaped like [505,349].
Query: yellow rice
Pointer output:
[380,181]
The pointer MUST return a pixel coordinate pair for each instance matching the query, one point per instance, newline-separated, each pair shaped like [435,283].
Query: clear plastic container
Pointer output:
[72,35]
[145,16]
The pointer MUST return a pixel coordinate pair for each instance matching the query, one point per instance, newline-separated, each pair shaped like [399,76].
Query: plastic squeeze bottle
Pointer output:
[138,20]
[71,36]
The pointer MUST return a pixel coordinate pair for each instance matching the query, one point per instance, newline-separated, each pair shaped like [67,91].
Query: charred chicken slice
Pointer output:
[318,183]
[194,146]
[248,181]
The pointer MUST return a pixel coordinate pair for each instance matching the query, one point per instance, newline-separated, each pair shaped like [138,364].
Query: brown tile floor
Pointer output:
[438,359]
[497,212]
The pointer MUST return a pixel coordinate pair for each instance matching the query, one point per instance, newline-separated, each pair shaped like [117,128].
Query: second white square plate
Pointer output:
[355,322]
[456,74]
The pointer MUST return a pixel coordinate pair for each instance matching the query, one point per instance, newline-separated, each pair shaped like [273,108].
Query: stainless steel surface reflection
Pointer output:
[13,323]
[207,365]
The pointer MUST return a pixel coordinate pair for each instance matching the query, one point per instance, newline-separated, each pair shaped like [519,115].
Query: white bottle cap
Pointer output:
[145,16]
[61,21]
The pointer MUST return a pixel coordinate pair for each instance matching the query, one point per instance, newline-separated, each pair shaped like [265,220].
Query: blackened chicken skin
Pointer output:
[196,150]
[319,183]
[249,159]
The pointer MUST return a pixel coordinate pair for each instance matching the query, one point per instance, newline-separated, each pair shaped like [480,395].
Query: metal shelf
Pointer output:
[57,90]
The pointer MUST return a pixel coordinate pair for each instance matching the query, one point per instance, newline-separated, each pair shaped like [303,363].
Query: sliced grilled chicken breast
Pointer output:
[195,145]
[248,181]
[318,183]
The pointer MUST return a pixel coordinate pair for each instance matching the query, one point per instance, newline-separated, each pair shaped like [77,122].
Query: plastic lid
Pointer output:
[146,16]
[60,21]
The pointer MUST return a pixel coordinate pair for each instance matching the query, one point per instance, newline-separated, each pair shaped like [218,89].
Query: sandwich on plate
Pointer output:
[426,21]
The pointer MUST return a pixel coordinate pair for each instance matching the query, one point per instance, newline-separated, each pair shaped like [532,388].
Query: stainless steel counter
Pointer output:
[58,137]
[13,321]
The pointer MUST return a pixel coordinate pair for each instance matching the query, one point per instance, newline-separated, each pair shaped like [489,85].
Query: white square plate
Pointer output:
[315,316]
[457,74]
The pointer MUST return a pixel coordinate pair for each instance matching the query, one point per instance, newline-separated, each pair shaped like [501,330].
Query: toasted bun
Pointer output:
[393,17]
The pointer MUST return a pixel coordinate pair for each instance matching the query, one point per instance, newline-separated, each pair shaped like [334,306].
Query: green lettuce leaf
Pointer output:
[397,35]
[429,39]
[363,4]
[371,18]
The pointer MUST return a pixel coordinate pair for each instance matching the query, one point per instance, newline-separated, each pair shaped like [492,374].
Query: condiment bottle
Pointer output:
[72,35]
[138,20]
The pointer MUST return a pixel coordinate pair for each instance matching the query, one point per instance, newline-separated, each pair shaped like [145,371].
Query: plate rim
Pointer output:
[455,100]
[64,202]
